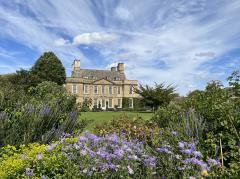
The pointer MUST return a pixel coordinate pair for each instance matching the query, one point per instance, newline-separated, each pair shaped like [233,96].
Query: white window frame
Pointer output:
[110,99]
[95,92]
[130,102]
[86,89]
[119,103]
[119,90]
[76,90]
[110,87]
[103,103]
[103,89]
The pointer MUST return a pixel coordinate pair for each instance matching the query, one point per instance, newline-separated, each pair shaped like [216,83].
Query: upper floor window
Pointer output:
[130,89]
[95,89]
[110,89]
[74,89]
[86,77]
[85,89]
[103,89]
[119,89]
[117,78]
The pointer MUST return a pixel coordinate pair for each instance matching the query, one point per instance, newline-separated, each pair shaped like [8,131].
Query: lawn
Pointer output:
[101,117]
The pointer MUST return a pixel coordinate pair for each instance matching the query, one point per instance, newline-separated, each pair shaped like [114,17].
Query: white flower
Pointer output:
[130,170]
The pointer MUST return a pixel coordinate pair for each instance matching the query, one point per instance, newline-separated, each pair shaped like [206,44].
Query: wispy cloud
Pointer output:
[160,41]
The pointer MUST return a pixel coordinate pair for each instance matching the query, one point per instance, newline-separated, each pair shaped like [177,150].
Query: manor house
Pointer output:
[106,88]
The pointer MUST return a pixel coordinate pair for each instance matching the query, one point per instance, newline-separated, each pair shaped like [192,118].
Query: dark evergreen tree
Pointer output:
[159,95]
[49,68]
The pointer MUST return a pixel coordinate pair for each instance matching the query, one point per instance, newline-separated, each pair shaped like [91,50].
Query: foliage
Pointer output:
[133,128]
[40,115]
[49,68]
[85,105]
[138,105]
[159,95]
[111,156]
[24,79]
[212,115]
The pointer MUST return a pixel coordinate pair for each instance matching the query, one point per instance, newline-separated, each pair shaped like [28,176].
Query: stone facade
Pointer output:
[106,88]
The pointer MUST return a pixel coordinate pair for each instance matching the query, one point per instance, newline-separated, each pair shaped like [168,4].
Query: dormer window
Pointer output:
[117,78]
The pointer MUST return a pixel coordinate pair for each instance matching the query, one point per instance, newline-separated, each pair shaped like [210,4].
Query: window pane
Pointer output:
[110,89]
[96,89]
[103,89]
[74,89]
[103,103]
[119,90]
[110,103]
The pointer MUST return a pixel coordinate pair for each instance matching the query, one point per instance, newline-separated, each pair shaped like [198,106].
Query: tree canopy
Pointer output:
[159,95]
[49,68]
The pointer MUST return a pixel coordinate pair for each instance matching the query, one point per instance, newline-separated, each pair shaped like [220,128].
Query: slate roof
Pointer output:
[99,74]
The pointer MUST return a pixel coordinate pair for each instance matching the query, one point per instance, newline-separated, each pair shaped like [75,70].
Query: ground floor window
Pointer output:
[119,103]
[95,102]
[103,103]
[130,103]
[110,103]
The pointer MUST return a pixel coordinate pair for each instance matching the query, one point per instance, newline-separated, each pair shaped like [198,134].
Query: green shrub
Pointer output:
[48,111]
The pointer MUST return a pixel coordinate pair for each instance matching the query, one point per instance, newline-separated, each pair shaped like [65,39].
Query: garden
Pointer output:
[43,133]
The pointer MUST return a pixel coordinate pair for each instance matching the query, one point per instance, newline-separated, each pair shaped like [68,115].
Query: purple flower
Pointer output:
[187,151]
[91,136]
[45,111]
[192,146]
[181,145]
[197,154]
[29,172]
[39,156]
[113,138]
[82,139]
[51,147]
[119,153]
[132,157]
[43,177]
[23,157]
[213,162]
[163,150]
[174,133]
[83,152]
[150,161]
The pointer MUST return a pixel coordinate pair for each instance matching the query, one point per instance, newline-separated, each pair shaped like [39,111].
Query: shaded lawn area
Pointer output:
[105,116]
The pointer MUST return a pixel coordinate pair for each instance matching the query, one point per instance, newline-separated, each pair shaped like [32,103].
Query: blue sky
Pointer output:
[182,42]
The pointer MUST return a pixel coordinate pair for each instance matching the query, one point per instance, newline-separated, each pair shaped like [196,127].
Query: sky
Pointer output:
[186,43]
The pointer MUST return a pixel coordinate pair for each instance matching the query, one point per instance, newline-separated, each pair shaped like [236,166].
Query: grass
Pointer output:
[101,117]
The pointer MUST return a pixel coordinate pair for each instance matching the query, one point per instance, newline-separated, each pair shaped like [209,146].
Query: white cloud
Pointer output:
[93,38]
[61,42]
[159,41]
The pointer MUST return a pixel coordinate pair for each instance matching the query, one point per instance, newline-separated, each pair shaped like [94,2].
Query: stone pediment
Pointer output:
[103,82]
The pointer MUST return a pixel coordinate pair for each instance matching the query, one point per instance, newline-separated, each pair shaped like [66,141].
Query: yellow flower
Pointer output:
[204,173]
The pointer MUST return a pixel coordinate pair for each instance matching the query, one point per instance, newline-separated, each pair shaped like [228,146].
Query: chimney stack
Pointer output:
[120,67]
[113,68]
[76,65]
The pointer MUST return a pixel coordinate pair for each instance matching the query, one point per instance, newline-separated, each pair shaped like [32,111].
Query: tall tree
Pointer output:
[49,68]
[159,95]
